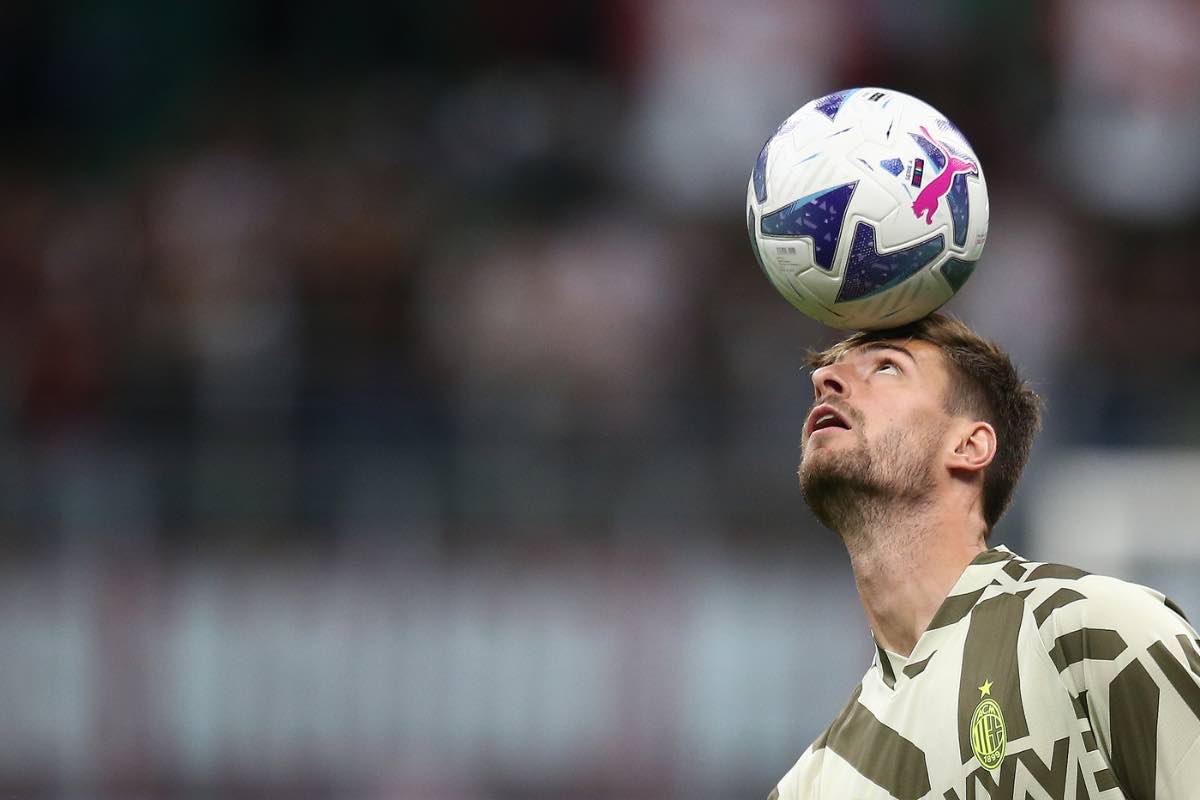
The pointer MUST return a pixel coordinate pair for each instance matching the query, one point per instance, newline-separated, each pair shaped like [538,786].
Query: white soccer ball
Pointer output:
[867,209]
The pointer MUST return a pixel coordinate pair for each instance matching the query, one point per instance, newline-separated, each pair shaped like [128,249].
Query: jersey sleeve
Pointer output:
[800,782]
[1131,662]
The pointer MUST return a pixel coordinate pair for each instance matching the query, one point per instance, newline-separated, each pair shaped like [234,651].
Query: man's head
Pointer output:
[899,410]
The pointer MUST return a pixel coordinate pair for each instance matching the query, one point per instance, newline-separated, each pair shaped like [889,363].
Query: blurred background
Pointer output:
[391,406]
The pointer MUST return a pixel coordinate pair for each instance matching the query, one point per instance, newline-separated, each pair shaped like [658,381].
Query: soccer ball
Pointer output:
[867,209]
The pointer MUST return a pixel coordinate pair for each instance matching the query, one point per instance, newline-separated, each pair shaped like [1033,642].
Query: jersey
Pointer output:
[1034,681]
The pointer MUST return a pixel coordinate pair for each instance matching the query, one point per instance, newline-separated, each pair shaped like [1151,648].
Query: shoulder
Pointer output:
[1066,601]
[799,780]
[804,773]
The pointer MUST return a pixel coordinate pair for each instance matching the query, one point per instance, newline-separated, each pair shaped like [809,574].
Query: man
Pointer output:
[994,676]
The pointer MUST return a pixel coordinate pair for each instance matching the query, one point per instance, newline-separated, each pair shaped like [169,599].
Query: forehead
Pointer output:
[926,355]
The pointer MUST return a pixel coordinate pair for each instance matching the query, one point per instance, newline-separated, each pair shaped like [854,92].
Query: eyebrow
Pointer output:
[868,346]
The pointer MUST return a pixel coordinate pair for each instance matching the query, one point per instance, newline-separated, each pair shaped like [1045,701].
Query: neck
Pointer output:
[905,563]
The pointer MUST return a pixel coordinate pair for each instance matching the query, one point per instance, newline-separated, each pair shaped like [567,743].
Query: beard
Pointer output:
[852,491]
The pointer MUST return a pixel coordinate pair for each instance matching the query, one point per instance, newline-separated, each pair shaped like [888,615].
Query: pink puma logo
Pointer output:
[927,201]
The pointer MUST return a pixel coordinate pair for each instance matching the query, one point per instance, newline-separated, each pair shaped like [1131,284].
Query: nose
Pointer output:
[828,380]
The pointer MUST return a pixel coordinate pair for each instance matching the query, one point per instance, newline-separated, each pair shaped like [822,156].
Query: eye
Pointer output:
[887,365]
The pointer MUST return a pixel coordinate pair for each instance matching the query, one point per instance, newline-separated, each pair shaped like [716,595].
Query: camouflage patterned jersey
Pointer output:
[1032,681]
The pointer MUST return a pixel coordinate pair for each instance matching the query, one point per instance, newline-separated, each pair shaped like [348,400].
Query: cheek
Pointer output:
[911,426]
[893,417]
[926,430]
[917,415]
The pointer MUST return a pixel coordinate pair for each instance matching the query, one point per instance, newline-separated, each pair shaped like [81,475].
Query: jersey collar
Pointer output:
[968,590]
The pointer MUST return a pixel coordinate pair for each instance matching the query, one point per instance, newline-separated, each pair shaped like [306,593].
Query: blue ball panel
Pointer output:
[932,151]
[960,207]
[830,104]
[956,271]
[818,217]
[760,173]
[868,272]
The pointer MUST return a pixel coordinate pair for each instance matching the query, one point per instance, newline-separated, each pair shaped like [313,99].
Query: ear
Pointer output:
[974,447]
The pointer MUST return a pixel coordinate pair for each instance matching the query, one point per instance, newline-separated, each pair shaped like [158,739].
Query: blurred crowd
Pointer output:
[452,287]
[285,275]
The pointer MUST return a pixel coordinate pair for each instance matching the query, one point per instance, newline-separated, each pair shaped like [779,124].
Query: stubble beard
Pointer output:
[858,490]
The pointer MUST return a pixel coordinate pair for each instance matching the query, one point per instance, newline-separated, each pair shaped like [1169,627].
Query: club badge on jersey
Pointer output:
[988,735]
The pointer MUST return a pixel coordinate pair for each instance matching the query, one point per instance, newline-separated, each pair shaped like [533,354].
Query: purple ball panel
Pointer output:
[817,217]
[868,272]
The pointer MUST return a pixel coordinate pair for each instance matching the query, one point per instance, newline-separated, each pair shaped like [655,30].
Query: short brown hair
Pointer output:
[987,386]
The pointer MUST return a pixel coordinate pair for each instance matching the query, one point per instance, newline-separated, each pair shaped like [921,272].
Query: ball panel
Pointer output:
[800,295]
[759,177]
[960,208]
[913,299]
[831,104]
[750,228]
[956,271]
[869,272]
[817,217]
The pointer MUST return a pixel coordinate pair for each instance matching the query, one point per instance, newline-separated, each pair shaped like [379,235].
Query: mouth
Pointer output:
[825,417]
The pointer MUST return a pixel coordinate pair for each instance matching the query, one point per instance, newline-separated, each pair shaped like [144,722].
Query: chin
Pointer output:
[826,448]
[825,466]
